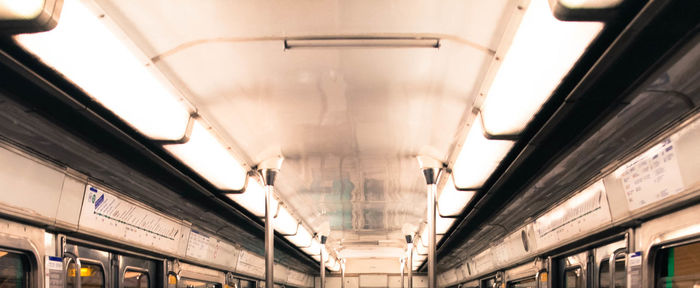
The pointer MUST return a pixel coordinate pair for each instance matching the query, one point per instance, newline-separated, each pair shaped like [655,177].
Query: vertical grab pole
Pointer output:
[432,281]
[342,273]
[323,262]
[268,176]
[409,243]
[268,170]
[431,170]
[403,266]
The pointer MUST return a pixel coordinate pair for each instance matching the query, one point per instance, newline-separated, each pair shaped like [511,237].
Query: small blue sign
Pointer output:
[99,201]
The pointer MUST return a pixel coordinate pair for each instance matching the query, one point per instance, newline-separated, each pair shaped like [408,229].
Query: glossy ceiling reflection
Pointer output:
[349,121]
[349,116]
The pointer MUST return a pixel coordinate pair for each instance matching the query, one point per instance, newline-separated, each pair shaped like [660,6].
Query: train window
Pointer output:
[573,278]
[91,275]
[488,283]
[247,284]
[135,279]
[14,270]
[678,266]
[620,274]
[525,283]
[192,283]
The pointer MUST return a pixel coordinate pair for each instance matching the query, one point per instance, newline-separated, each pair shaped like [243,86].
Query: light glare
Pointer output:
[543,51]
[89,54]
[478,158]
[302,238]
[451,201]
[210,159]
[20,9]
[285,222]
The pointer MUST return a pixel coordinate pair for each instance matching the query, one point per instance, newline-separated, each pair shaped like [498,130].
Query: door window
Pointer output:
[135,279]
[573,278]
[620,274]
[247,284]
[14,270]
[193,283]
[678,267]
[91,275]
[525,283]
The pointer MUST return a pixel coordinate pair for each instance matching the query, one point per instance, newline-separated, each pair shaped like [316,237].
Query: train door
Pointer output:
[678,265]
[611,265]
[86,267]
[136,272]
[573,270]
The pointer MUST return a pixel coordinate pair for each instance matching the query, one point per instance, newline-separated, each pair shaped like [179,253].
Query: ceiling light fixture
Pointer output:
[111,70]
[542,53]
[207,156]
[451,201]
[478,158]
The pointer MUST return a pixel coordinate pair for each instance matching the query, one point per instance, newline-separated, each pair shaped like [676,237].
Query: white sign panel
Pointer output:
[651,176]
[585,211]
[251,264]
[107,214]
[211,249]
[53,272]
[197,245]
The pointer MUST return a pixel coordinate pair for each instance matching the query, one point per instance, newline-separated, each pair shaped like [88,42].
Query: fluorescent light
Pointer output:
[478,158]
[589,4]
[330,260]
[210,159]
[302,238]
[20,9]
[543,51]
[285,223]
[451,201]
[253,198]
[420,249]
[325,253]
[363,42]
[313,249]
[443,224]
[100,61]
[334,265]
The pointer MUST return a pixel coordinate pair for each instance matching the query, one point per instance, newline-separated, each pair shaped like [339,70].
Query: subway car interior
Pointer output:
[349,143]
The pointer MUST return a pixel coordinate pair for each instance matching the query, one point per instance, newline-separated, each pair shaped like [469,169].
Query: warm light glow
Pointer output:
[20,9]
[285,223]
[334,266]
[302,238]
[253,198]
[314,248]
[451,201]
[543,51]
[99,61]
[421,249]
[590,4]
[478,158]
[206,155]
[443,224]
